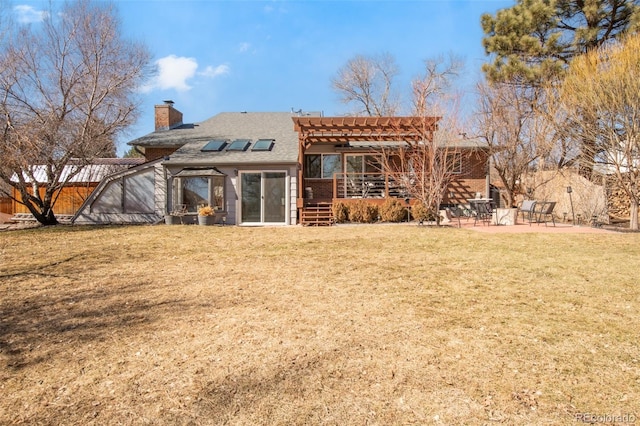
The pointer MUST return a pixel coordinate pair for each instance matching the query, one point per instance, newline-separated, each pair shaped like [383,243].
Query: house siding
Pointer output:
[160,190]
[472,180]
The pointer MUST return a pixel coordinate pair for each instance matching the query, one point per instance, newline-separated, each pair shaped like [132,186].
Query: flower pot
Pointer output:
[206,220]
[220,218]
[171,219]
[503,216]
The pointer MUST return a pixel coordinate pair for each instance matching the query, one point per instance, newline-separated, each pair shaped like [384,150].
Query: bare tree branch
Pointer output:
[367,83]
[518,135]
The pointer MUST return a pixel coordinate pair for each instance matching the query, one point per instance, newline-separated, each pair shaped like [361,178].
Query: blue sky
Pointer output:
[225,55]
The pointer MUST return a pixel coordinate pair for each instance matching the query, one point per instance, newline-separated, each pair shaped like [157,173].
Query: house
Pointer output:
[243,164]
[266,168]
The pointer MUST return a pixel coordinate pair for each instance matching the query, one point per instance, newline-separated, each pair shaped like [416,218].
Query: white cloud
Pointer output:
[215,71]
[244,47]
[174,72]
[28,14]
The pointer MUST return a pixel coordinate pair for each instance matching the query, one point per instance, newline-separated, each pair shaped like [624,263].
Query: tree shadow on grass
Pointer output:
[35,269]
[252,393]
[38,328]
[294,390]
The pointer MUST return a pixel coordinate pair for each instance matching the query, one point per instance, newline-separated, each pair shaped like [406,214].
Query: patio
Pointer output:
[522,228]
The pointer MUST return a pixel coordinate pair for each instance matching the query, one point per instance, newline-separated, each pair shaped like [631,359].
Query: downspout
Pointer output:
[488,180]
[300,194]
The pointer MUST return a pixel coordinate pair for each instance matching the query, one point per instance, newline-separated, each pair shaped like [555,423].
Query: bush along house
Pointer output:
[264,168]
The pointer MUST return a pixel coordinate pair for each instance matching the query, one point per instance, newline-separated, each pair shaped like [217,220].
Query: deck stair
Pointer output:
[317,214]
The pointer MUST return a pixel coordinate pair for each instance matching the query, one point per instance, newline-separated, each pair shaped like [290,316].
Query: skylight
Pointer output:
[239,145]
[214,145]
[263,145]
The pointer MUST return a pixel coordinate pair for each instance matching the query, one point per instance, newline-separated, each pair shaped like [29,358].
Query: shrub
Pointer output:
[393,210]
[340,212]
[363,212]
[420,212]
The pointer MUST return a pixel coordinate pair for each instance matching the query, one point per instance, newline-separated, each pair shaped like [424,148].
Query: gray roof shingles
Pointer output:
[231,126]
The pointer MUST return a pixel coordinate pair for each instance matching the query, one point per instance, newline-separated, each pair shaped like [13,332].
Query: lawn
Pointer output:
[363,325]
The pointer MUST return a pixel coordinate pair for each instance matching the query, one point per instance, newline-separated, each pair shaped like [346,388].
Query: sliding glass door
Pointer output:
[263,197]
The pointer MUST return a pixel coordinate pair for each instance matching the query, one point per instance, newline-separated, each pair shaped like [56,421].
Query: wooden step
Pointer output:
[320,214]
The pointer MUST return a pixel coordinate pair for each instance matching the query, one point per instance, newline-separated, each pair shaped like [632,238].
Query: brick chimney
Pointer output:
[167,117]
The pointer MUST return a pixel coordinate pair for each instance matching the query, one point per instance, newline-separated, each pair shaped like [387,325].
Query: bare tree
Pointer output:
[366,83]
[431,91]
[67,89]
[517,133]
[607,82]
[425,165]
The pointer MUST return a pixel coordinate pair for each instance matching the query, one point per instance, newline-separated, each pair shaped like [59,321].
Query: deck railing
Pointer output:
[366,185]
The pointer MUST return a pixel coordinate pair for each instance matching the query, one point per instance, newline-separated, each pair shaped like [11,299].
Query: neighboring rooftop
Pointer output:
[91,173]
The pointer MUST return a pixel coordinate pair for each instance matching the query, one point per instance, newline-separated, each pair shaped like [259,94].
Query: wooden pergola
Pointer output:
[341,131]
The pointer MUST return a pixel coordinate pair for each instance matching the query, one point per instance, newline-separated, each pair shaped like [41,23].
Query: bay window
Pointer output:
[195,191]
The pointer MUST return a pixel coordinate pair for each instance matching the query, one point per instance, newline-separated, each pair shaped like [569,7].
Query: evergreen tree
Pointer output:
[534,40]
[532,43]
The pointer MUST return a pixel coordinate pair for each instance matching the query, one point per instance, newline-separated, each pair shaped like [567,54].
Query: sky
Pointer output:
[217,56]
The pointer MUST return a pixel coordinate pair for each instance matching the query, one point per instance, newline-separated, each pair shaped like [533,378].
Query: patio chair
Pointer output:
[453,215]
[483,212]
[528,208]
[180,210]
[546,212]
[356,188]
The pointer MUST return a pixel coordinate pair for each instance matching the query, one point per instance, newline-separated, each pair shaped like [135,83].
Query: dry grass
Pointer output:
[345,325]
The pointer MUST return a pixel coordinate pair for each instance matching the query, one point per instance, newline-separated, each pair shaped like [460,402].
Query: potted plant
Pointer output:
[205,215]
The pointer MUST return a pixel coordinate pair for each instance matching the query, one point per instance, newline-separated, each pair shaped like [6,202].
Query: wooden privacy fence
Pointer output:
[6,205]
[69,200]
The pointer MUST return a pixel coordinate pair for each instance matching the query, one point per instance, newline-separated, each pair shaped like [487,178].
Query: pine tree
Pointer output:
[535,40]
[532,43]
